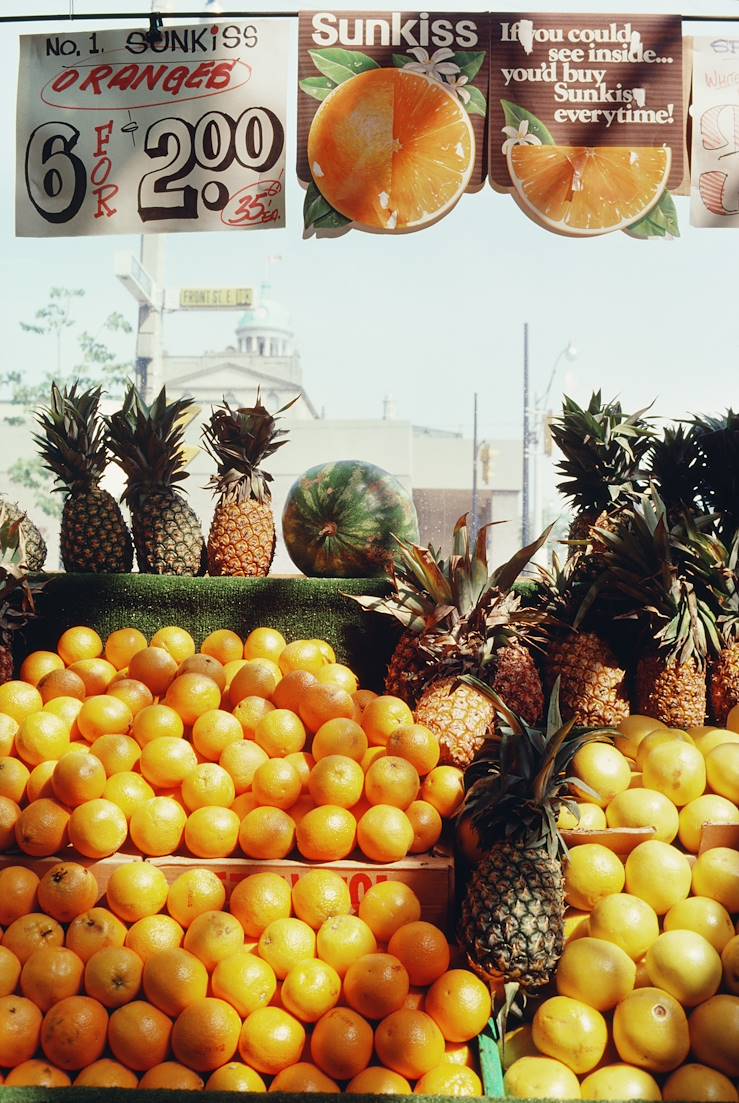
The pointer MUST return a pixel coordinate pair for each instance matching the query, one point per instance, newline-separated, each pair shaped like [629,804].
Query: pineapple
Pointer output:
[675,470]
[718,451]
[647,572]
[592,682]
[17,592]
[34,542]
[242,534]
[603,449]
[94,536]
[512,922]
[147,442]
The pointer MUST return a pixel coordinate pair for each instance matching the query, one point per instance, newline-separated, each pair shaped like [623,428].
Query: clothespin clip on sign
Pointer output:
[154,34]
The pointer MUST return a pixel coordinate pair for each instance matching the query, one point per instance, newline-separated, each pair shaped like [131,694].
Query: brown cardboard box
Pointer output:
[102,868]
[719,834]
[431,878]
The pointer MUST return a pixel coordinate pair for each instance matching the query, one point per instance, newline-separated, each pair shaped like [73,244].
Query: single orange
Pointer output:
[66,890]
[249,712]
[135,890]
[153,934]
[450,1079]
[10,971]
[8,731]
[280,732]
[427,826]
[378,1081]
[139,1034]
[336,779]
[104,715]
[156,721]
[191,695]
[122,645]
[79,643]
[73,1032]
[444,788]
[98,828]
[459,1004]
[51,974]
[337,674]
[67,709]
[409,1042]
[235,1077]
[382,716]
[318,895]
[78,777]
[417,744]
[302,655]
[391,149]
[363,697]
[225,645]
[387,906]
[19,700]
[10,813]
[113,976]
[204,665]
[290,690]
[392,780]
[117,753]
[321,703]
[214,731]
[340,736]
[304,1077]
[155,667]
[61,683]
[285,943]
[128,790]
[133,693]
[423,949]
[241,760]
[167,761]
[310,989]
[20,1028]
[213,936]
[245,981]
[176,641]
[230,671]
[276,783]
[18,893]
[92,931]
[41,737]
[267,833]
[42,829]
[171,1076]
[341,1043]
[259,899]
[195,891]
[212,832]
[106,1074]
[271,1040]
[384,833]
[97,674]
[206,1034]
[342,940]
[264,643]
[14,777]
[326,834]
[376,985]
[208,784]
[36,1074]
[39,663]
[256,678]
[173,979]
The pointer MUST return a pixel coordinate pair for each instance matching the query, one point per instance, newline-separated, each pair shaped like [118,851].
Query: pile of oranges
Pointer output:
[171,986]
[260,747]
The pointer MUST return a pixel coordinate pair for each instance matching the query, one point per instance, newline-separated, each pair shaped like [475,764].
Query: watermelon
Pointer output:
[340,518]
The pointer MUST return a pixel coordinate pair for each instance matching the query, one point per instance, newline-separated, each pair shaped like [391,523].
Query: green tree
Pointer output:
[93,363]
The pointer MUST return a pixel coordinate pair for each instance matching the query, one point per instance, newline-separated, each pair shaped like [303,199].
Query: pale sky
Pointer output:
[428,317]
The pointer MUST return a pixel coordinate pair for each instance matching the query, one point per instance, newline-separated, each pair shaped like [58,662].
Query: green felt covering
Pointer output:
[301,608]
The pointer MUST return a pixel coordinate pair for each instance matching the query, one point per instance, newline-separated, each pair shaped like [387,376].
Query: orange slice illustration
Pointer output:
[583,191]
[391,150]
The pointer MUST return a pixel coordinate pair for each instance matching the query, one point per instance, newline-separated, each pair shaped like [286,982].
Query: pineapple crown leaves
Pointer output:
[561,595]
[712,566]
[675,469]
[646,569]
[602,449]
[515,788]
[147,442]
[717,439]
[239,440]
[72,443]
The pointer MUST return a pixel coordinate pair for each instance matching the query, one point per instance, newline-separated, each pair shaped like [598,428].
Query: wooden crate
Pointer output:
[102,868]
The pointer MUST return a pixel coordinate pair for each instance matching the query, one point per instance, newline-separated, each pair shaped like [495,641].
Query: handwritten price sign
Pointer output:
[117,136]
[715,175]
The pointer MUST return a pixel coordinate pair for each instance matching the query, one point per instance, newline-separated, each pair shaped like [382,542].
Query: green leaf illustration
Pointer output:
[477,104]
[470,63]
[318,212]
[661,221]
[339,65]
[317,87]
[401,60]
[515,115]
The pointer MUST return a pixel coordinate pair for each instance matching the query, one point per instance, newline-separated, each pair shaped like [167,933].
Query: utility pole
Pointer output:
[473,526]
[526,488]
[149,329]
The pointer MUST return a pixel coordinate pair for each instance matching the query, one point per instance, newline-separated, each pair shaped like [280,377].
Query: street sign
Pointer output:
[215,298]
[137,281]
